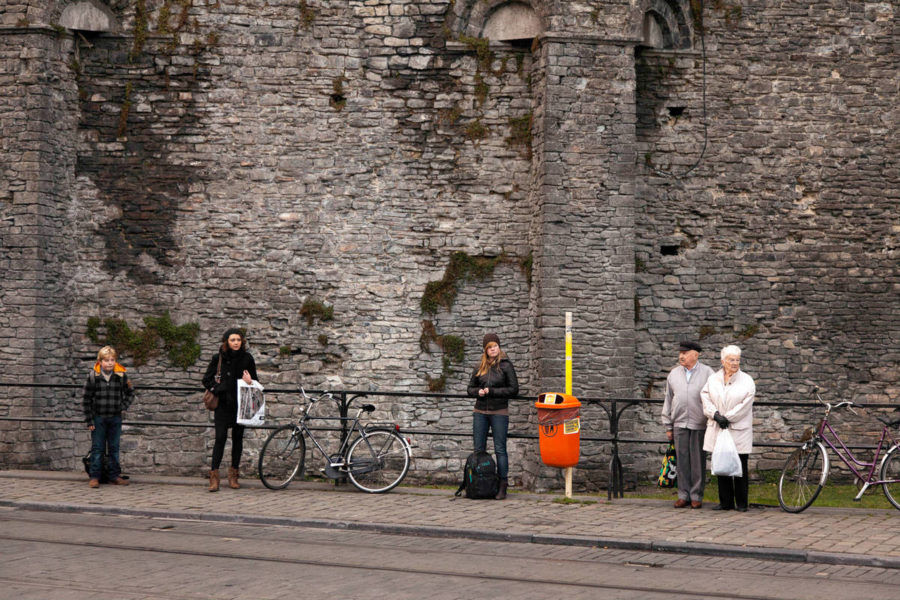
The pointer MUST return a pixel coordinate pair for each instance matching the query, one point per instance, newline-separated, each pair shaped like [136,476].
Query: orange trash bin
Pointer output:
[559,421]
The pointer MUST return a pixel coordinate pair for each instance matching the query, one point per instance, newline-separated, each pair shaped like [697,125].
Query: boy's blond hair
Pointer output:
[106,351]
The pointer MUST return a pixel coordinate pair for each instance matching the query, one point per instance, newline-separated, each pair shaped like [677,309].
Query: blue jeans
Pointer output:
[499,426]
[105,436]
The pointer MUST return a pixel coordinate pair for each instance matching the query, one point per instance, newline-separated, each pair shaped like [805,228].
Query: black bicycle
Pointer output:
[375,459]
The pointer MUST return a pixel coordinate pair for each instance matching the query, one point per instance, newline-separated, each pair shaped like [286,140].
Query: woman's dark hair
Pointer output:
[231,332]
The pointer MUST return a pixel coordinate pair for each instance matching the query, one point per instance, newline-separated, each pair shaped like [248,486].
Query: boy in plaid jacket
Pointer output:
[107,394]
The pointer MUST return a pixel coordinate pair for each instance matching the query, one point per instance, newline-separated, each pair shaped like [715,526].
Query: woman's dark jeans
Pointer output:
[499,426]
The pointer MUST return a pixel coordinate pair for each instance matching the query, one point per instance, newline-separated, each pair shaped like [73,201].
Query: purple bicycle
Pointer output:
[806,470]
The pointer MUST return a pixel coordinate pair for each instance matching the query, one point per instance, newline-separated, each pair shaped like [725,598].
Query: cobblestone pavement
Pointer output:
[818,535]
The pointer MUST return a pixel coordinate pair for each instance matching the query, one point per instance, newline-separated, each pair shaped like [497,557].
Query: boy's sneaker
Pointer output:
[94,483]
[119,481]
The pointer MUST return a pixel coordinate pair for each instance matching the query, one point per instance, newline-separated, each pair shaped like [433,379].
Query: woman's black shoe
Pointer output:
[720,507]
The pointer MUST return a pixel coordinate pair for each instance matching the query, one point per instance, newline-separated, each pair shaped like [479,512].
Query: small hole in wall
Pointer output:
[668,250]
[676,111]
[338,101]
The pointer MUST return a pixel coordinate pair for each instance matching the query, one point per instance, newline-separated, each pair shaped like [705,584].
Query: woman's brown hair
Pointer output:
[486,362]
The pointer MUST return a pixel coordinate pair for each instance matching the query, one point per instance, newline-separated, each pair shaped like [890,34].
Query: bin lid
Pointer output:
[556,400]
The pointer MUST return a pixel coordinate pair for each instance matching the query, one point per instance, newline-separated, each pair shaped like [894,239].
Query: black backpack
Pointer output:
[104,466]
[480,479]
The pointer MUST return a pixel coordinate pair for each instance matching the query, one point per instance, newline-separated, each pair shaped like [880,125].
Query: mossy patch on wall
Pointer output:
[520,132]
[316,309]
[462,268]
[454,352]
[178,341]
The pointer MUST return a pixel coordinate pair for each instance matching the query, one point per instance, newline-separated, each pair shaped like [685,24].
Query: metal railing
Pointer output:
[614,408]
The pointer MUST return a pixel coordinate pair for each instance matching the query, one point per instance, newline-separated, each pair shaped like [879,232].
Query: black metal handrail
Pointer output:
[613,407]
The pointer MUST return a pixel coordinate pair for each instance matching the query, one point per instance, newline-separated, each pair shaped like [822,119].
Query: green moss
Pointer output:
[520,132]
[481,89]
[748,332]
[123,113]
[453,349]
[482,48]
[476,131]
[526,264]
[639,265]
[449,116]
[284,351]
[697,15]
[140,30]
[306,16]
[706,331]
[178,341]
[337,100]
[313,309]
[461,269]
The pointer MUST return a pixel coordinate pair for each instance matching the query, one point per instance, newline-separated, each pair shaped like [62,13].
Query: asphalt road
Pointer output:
[68,556]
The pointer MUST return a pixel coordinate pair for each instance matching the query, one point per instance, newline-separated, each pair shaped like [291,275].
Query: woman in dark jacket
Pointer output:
[236,363]
[493,383]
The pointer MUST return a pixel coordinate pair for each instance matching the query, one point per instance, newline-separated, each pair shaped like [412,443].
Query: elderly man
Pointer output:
[685,422]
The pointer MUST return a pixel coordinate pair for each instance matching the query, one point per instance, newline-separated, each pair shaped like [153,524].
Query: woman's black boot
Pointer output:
[501,495]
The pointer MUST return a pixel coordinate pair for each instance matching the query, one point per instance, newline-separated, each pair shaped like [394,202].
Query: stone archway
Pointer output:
[666,24]
[510,22]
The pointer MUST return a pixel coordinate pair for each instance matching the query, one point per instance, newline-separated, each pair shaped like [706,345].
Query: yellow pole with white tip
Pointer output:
[568,470]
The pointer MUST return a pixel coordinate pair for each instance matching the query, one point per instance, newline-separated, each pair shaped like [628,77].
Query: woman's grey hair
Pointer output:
[729,350]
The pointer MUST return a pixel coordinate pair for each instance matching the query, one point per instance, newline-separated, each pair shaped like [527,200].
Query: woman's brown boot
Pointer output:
[214,480]
[501,495]
[233,478]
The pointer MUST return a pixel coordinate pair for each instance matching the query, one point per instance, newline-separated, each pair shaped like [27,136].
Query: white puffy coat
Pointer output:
[734,401]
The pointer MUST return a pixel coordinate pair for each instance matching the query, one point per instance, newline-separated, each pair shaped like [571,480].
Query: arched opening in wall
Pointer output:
[656,32]
[514,23]
[665,25]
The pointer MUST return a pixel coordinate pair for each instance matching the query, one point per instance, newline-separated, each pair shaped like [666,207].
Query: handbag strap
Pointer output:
[219,369]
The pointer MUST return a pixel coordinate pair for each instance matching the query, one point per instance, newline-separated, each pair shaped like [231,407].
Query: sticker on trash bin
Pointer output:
[572,426]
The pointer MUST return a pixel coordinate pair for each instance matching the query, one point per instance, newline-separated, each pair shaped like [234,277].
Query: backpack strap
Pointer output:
[462,486]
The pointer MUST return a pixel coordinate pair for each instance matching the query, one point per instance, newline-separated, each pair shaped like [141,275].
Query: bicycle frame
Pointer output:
[844,453]
[345,443]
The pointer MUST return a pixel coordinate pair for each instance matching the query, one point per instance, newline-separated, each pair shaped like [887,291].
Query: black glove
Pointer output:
[722,421]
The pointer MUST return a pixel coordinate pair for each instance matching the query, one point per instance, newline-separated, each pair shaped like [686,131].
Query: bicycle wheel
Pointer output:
[378,461]
[802,477]
[281,457]
[890,469]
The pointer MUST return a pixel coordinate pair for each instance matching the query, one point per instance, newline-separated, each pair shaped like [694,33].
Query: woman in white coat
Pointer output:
[728,404]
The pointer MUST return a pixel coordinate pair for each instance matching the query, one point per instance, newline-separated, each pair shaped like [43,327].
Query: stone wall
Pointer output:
[37,93]
[784,237]
[236,163]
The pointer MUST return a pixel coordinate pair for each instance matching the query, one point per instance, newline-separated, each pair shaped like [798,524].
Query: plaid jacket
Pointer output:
[106,398]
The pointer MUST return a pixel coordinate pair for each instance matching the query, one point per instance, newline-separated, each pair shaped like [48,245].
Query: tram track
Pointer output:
[407,570]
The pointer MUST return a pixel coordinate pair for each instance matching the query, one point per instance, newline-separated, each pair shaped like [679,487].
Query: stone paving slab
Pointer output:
[865,537]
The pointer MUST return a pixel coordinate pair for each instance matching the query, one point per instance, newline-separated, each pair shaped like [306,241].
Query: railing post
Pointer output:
[613,489]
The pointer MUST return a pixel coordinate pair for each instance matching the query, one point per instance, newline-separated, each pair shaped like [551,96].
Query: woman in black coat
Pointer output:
[236,363]
[492,384]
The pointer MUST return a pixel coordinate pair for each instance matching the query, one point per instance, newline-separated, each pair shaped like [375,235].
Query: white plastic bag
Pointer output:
[251,408]
[725,459]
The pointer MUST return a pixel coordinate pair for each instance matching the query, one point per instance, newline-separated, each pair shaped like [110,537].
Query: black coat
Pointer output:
[233,366]
[502,385]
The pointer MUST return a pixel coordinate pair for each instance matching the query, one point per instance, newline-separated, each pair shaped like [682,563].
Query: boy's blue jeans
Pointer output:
[105,436]
[499,426]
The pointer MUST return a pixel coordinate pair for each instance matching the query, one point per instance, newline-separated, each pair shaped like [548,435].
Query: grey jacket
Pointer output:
[682,406]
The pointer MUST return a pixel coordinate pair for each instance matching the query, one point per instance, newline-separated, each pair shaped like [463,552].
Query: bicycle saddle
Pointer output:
[367,408]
